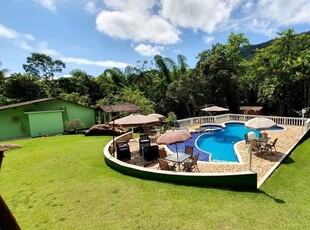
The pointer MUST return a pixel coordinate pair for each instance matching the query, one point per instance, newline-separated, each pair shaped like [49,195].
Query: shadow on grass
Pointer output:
[277,200]
[258,191]
[288,160]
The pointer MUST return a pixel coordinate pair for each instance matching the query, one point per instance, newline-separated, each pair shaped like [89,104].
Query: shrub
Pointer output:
[74,125]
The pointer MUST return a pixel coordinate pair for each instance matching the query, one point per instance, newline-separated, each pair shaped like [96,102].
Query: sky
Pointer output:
[93,35]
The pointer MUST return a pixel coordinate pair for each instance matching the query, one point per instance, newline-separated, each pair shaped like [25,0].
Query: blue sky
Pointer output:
[93,35]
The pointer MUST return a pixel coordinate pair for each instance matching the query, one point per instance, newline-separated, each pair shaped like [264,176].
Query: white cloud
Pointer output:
[248,6]
[91,8]
[208,39]
[148,50]
[7,33]
[48,4]
[285,12]
[18,39]
[43,47]
[268,16]
[84,61]
[22,44]
[133,20]
[207,16]
[263,27]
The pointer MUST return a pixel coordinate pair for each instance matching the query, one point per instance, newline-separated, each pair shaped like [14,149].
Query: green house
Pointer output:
[41,117]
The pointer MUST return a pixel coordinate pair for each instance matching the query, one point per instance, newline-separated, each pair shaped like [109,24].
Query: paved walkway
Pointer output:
[262,163]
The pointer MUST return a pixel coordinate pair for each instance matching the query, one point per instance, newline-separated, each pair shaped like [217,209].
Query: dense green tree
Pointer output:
[136,97]
[43,66]
[23,87]
[282,71]
[3,73]
[187,94]
[75,98]
[277,77]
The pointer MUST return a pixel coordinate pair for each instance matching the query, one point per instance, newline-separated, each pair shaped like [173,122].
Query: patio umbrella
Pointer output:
[174,137]
[135,120]
[214,108]
[260,123]
[156,115]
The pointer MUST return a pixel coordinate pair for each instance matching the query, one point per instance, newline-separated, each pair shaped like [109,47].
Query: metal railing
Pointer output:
[296,121]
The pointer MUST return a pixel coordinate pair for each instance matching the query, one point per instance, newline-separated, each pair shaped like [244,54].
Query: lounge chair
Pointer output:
[192,165]
[162,153]
[165,166]
[144,141]
[150,152]
[272,145]
[123,151]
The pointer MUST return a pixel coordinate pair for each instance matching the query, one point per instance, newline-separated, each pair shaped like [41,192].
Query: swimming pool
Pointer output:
[218,146]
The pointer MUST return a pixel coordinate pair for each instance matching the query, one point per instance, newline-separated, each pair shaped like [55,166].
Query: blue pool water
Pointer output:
[218,145]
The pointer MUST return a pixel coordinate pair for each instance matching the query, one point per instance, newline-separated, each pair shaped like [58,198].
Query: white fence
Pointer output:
[296,121]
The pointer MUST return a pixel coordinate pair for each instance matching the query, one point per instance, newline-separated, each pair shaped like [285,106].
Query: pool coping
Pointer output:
[240,180]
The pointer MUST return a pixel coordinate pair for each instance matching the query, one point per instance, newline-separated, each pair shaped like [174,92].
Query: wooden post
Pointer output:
[7,220]
[1,157]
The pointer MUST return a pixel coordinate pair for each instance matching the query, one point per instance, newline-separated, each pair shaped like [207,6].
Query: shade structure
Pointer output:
[135,120]
[174,137]
[156,115]
[260,123]
[215,109]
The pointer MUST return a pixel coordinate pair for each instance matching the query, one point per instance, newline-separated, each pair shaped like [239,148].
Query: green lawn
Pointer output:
[62,182]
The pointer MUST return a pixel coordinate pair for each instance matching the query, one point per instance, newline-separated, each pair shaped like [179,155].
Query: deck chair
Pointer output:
[123,151]
[192,165]
[189,150]
[144,141]
[272,145]
[162,153]
[256,147]
[247,141]
[165,166]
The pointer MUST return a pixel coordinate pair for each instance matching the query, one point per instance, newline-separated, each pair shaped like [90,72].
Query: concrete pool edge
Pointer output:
[288,152]
[238,180]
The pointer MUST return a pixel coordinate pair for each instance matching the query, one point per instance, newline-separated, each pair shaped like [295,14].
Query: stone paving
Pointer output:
[262,162]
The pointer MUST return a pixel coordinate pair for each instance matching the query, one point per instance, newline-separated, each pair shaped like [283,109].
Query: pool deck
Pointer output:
[263,163]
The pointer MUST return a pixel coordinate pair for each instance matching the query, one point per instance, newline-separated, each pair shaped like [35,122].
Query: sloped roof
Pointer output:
[253,108]
[24,103]
[34,102]
[118,108]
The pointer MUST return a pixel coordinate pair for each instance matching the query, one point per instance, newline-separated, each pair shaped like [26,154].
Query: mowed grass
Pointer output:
[62,182]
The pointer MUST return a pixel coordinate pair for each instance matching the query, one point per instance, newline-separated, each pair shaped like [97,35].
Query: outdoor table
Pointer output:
[263,140]
[178,158]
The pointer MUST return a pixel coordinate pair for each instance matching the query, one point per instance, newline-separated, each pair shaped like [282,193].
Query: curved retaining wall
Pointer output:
[243,180]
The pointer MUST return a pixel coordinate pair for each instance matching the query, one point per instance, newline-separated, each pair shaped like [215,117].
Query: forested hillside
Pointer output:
[274,74]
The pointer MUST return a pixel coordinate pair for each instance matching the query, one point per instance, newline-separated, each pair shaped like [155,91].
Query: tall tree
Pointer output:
[23,87]
[43,66]
[285,68]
